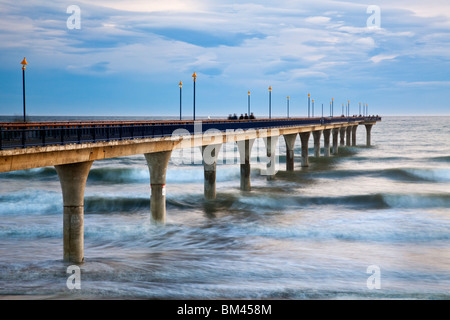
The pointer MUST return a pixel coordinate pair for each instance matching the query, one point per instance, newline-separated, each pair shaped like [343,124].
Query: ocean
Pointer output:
[369,223]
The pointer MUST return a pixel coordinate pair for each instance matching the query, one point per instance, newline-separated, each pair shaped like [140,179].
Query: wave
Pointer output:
[414,174]
[437,175]
[31,202]
[273,201]
[441,159]
[173,175]
[118,175]
[45,173]
[115,205]
[397,174]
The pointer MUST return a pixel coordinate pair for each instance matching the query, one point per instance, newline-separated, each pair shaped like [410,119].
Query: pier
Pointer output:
[72,148]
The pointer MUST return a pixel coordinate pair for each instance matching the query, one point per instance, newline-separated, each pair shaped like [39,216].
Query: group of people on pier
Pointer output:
[242,117]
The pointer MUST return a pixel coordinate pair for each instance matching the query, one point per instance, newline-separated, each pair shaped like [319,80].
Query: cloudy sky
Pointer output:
[127,57]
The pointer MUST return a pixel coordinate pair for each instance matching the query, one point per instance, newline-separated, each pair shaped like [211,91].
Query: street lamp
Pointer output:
[195,77]
[332,107]
[248,104]
[181,85]
[313,108]
[270,102]
[23,63]
[309,102]
[288,106]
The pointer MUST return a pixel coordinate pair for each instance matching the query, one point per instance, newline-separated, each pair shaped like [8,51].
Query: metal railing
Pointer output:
[23,135]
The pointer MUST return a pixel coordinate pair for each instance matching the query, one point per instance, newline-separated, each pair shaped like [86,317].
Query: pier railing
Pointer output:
[41,134]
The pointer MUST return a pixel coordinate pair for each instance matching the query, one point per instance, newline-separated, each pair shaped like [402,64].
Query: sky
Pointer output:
[126,58]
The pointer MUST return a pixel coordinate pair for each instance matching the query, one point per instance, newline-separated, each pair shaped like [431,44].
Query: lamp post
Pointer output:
[313,108]
[348,108]
[23,63]
[195,77]
[332,107]
[181,85]
[248,104]
[309,103]
[270,102]
[288,106]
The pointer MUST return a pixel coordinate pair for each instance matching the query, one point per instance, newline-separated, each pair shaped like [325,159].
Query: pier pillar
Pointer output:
[209,155]
[335,132]
[349,135]
[316,136]
[368,134]
[326,142]
[290,142]
[304,137]
[354,135]
[271,145]
[342,132]
[157,164]
[245,149]
[73,182]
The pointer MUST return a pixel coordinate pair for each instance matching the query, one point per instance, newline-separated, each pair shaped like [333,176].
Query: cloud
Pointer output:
[415,84]
[382,57]
[297,43]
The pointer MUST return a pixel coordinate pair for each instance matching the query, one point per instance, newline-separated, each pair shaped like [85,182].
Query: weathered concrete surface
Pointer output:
[210,154]
[271,145]
[316,136]
[289,139]
[326,142]
[304,138]
[73,182]
[335,133]
[245,149]
[354,135]
[368,134]
[342,132]
[349,135]
[157,165]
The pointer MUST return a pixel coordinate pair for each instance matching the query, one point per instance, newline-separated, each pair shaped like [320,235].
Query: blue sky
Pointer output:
[128,57]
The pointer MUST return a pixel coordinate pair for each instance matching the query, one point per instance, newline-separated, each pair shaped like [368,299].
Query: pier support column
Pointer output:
[210,154]
[354,135]
[316,136]
[73,182]
[271,146]
[349,135]
[290,142]
[342,132]
[368,134]
[157,164]
[326,142]
[335,133]
[245,150]
[304,137]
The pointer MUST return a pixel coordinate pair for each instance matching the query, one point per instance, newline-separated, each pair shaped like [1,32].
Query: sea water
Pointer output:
[371,222]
